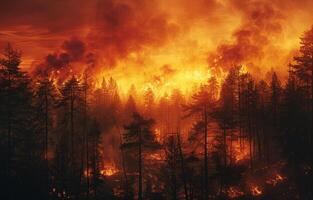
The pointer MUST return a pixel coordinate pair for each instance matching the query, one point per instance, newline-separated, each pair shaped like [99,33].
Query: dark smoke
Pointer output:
[126,27]
[261,23]
[75,48]
[72,50]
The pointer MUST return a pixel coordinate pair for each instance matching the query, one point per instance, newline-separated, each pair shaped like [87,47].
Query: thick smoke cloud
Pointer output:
[55,17]
[126,27]
[262,23]
[72,50]
[75,48]
[235,31]
[116,29]
[259,40]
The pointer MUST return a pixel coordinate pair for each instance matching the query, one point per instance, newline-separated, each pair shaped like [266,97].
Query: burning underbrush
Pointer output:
[109,170]
[106,171]
[268,182]
[234,192]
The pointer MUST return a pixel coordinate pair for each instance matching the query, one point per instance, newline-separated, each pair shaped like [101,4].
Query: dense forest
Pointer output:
[235,138]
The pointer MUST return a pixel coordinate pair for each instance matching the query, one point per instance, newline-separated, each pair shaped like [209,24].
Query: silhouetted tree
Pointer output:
[149,102]
[140,136]
[21,145]
[202,103]
[303,69]
[45,100]
[70,139]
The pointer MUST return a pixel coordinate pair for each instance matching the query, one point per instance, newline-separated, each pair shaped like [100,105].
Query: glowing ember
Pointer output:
[234,192]
[109,171]
[155,156]
[157,133]
[275,180]
[255,190]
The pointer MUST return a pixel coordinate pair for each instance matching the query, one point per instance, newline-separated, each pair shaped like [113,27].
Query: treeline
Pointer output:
[50,135]
[52,142]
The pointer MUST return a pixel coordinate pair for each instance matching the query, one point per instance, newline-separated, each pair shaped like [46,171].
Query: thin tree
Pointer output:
[202,103]
[45,99]
[10,72]
[139,135]
[303,69]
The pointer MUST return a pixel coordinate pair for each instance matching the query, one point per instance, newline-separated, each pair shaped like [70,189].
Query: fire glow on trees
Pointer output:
[241,151]
[218,90]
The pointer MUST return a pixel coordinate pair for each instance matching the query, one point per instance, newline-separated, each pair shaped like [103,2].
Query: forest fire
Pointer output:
[161,99]
[165,84]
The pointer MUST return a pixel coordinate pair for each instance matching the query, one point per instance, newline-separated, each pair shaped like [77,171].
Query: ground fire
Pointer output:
[234,192]
[256,190]
[108,170]
[275,180]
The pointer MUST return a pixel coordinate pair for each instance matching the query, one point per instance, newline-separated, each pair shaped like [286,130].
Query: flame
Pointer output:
[255,190]
[243,70]
[159,82]
[109,170]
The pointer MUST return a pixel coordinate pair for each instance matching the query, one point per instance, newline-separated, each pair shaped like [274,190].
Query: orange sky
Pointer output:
[155,41]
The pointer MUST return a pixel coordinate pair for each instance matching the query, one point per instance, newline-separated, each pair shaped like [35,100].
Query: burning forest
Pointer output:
[156,100]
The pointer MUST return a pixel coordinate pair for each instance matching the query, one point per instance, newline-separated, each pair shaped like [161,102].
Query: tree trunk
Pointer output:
[94,164]
[239,114]
[85,141]
[259,143]
[173,170]
[225,145]
[87,167]
[182,165]
[140,166]
[124,169]
[312,101]
[46,140]
[9,127]
[250,140]
[205,154]
[72,125]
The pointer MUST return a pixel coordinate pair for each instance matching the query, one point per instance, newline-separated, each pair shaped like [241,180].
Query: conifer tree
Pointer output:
[139,135]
